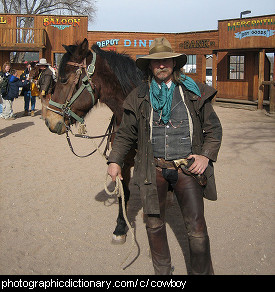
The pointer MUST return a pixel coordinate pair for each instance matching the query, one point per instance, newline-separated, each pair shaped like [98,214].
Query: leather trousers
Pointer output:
[189,195]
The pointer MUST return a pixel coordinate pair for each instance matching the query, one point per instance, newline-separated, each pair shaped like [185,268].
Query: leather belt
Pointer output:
[162,163]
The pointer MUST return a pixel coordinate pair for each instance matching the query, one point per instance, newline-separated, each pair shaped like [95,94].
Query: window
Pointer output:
[57,59]
[236,67]
[191,64]
[25,31]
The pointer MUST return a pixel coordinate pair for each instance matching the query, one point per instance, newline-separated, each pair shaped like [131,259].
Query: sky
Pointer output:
[172,16]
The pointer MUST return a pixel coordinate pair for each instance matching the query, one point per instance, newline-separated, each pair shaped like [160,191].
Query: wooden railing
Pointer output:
[21,37]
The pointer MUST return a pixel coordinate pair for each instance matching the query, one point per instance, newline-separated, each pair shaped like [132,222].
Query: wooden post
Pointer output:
[271,94]
[214,71]
[261,79]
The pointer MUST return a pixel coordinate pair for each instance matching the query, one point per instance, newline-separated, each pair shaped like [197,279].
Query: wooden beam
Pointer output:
[261,79]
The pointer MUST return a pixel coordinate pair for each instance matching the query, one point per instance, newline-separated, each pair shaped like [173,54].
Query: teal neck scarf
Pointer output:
[161,97]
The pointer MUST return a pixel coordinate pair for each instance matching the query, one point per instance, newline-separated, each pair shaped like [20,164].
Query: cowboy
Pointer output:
[45,83]
[172,120]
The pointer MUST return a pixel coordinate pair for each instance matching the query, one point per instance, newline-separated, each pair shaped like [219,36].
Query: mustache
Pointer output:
[162,70]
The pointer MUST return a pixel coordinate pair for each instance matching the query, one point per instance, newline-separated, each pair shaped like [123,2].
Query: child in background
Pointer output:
[12,93]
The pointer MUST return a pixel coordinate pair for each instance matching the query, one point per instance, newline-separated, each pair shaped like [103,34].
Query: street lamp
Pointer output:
[244,12]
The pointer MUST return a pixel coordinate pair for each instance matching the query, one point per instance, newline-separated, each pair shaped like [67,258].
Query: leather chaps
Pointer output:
[189,195]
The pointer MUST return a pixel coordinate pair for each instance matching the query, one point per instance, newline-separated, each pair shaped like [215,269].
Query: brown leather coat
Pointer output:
[135,128]
[46,81]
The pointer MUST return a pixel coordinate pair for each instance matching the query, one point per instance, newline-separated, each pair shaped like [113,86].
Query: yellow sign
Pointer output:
[61,23]
[2,20]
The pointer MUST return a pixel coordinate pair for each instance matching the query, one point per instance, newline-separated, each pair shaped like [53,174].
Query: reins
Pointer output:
[108,133]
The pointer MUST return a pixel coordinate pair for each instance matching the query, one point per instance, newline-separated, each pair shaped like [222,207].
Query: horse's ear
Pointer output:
[66,48]
[84,47]
[69,49]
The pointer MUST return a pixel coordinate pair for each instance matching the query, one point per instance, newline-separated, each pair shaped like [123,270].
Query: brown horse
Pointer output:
[86,76]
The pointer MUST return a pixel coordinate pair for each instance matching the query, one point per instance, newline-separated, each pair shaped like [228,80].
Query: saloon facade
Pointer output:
[233,59]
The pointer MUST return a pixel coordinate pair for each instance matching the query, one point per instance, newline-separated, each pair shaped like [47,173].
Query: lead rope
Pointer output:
[118,190]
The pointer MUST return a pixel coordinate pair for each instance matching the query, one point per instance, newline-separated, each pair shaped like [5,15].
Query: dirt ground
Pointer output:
[56,219]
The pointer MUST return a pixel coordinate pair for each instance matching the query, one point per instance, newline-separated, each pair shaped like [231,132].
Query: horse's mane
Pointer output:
[121,64]
[124,68]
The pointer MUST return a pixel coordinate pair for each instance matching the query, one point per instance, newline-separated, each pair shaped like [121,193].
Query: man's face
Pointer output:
[162,69]
[7,68]
[42,67]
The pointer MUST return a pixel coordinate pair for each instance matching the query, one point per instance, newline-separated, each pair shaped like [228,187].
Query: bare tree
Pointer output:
[62,7]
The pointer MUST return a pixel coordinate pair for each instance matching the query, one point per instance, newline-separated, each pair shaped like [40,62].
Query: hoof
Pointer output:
[119,239]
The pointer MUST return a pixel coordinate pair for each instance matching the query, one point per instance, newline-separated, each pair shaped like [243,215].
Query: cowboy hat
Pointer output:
[161,49]
[43,62]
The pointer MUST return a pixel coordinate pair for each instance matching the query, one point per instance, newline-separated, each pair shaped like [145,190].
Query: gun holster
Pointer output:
[184,164]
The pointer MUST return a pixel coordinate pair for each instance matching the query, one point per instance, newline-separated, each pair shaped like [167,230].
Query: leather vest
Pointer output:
[172,141]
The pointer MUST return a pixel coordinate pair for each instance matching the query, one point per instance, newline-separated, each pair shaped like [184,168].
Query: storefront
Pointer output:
[40,35]
[243,63]
[235,59]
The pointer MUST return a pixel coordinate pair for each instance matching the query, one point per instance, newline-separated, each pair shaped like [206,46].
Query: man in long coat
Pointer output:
[171,119]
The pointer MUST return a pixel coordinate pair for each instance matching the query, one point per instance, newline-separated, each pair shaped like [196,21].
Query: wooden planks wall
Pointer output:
[137,43]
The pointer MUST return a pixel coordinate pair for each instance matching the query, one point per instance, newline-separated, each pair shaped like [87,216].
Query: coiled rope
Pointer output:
[118,190]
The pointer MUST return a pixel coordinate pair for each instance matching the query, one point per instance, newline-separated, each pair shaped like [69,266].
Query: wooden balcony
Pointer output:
[22,39]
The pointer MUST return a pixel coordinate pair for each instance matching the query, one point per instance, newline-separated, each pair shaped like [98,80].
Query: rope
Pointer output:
[118,190]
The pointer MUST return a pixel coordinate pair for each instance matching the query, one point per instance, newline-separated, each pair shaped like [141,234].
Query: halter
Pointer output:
[86,84]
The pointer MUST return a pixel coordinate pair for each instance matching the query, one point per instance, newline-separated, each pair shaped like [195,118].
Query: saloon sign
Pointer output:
[61,23]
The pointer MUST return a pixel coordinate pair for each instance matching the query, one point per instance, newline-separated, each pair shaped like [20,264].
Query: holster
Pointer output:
[184,164]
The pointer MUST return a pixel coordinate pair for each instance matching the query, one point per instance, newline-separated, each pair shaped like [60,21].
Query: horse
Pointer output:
[86,77]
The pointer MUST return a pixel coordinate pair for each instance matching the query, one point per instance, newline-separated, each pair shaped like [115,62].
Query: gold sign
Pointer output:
[61,23]
[2,20]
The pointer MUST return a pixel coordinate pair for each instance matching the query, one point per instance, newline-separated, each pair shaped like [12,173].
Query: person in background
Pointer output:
[34,93]
[45,84]
[12,93]
[4,73]
[178,136]
[26,91]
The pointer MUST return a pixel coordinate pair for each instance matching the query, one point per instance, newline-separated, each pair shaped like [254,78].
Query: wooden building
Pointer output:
[39,33]
[242,61]
[235,54]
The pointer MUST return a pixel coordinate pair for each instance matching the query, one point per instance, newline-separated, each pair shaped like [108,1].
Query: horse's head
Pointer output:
[84,77]
[74,93]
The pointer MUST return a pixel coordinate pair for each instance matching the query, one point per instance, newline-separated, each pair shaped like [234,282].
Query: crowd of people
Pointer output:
[11,84]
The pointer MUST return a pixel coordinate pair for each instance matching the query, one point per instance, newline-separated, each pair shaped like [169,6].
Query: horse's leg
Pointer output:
[119,235]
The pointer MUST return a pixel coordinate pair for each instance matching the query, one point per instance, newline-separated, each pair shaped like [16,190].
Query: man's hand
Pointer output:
[114,170]
[199,165]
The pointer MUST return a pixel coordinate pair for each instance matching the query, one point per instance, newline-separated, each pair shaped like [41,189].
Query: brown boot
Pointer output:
[32,113]
[26,113]
[160,252]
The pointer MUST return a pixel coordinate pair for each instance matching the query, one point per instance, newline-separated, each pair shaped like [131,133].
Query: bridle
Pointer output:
[86,84]
[65,108]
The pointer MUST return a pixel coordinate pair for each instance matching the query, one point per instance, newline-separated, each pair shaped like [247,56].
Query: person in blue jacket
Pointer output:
[12,93]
